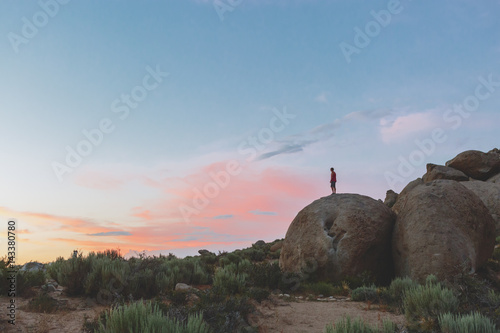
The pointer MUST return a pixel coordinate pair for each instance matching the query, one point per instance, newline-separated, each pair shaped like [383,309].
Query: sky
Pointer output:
[178,125]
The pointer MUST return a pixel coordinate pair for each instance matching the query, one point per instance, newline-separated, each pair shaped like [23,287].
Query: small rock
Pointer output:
[182,287]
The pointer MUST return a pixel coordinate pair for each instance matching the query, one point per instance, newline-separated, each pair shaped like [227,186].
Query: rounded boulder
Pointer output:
[339,236]
[441,228]
[476,164]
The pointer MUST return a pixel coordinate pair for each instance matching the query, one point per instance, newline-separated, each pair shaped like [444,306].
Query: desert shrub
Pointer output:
[258,294]
[423,304]
[493,299]
[363,294]
[474,293]
[177,297]
[224,314]
[111,254]
[208,260]
[71,273]
[364,279]
[254,254]
[189,270]
[148,318]
[42,303]
[472,323]
[398,287]
[4,287]
[230,258]
[105,273]
[25,280]
[320,288]
[266,275]
[431,279]
[347,325]
[228,280]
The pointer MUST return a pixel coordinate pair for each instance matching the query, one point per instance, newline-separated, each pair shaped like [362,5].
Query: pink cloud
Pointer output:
[404,126]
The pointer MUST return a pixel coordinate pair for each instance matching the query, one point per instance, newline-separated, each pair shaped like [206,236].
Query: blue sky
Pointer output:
[229,77]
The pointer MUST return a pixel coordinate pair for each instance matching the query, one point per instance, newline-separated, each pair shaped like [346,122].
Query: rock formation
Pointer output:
[439,224]
[489,193]
[476,164]
[338,236]
[441,228]
[443,172]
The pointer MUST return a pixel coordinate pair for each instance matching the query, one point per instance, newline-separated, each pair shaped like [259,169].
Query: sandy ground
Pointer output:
[274,315]
[67,320]
[283,316]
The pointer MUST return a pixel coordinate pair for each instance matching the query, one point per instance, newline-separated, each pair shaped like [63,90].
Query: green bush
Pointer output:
[320,288]
[42,303]
[147,318]
[423,304]
[363,294]
[431,279]
[472,323]
[107,273]
[364,279]
[71,273]
[346,325]
[26,280]
[258,294]
[398,287]
[228,280]
[223,313]
[266,275]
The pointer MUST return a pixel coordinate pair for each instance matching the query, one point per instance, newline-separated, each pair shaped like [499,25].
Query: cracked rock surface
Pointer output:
[339,236]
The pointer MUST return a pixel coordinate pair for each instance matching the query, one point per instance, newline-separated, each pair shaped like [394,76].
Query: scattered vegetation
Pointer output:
[42,303]
[423,305]
[363,294]
[347,325]
[147,318]
[226,282]
[472,323]
[24,280]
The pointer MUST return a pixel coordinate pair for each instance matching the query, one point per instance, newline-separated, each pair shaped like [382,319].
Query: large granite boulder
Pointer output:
[404,193]
[443,172]
[476,164]
[338,236]
[494,179]
[489,193]
[441,228]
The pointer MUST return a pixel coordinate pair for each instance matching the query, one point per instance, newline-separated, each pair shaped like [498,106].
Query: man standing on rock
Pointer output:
[333,180]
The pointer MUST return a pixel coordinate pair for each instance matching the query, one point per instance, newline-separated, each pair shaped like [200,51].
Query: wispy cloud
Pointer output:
[298,142]
[220,217]
[407,125]
[258,212]
[322,98]
[112,233]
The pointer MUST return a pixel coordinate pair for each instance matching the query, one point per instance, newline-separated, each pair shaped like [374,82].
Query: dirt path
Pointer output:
[311,317]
